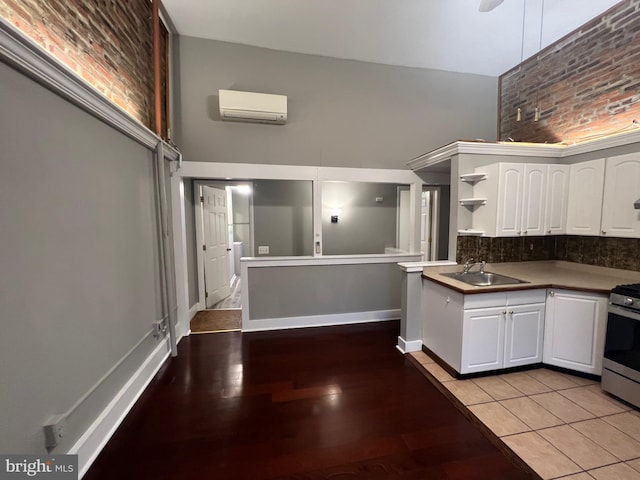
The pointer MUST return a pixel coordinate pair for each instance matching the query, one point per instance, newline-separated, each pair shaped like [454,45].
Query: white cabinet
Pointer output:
[575,326]
[621,190]
[534,199]
[586,183]
[522,199]
[503,187]
[524,335]
[506,331]
[482,339]
[557,198]
[509,204]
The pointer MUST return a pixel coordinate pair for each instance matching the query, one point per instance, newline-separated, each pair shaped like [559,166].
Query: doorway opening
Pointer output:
[223,213]
[434,222]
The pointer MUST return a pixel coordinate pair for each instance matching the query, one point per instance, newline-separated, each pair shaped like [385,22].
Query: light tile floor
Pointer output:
[562,426]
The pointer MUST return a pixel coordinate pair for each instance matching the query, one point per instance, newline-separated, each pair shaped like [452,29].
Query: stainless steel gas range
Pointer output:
[621,364]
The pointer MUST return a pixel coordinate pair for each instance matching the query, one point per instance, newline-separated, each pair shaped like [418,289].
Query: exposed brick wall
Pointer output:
[109,43]
[586,84]
[623,253]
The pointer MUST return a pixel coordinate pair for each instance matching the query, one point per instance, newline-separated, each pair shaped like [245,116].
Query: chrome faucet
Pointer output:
[470,263]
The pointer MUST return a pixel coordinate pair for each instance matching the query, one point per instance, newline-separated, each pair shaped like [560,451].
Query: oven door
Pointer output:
[622,343]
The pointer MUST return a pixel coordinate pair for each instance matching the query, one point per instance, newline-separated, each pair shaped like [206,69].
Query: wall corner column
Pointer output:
[410,339]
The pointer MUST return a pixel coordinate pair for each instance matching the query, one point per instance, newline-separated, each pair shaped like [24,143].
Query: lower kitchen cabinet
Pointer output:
[502,337]
[575,327]
[485,331]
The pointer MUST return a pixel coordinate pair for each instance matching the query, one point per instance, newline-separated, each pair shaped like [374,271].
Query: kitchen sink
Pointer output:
[485,279]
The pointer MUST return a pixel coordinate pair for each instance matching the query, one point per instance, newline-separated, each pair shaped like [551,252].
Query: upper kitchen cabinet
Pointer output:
[516,204]
[586,184]
[621,190]
[557,198]
[534,199]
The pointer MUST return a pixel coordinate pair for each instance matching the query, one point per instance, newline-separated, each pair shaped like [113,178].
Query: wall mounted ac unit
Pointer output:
[252,107]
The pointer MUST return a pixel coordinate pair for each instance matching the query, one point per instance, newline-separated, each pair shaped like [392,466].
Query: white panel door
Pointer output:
[216,255]
[621,190]
[524,335]
[586,184]
[557,199]
[509,220]
[533,199]
[482,339]
[575,326]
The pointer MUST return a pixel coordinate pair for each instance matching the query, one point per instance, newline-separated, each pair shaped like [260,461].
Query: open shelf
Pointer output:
[473,201]
[473,177]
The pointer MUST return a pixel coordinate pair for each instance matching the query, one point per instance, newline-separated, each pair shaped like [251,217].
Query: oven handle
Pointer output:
[624,312]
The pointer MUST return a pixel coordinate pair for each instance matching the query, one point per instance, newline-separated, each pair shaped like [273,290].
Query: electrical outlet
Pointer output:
[159,328]
[263,250]
[54,430]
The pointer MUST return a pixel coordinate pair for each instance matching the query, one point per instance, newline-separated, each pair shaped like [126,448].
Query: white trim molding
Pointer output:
[91,443]
[523,149]
[417,267]
[22,53]
[405,346]
[257,325]
[253,262]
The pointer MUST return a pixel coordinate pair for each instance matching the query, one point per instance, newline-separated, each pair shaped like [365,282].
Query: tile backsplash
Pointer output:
[610,252]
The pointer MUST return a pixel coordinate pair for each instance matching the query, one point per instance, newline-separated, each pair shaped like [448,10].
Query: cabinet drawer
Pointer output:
[522,297]
[484,300]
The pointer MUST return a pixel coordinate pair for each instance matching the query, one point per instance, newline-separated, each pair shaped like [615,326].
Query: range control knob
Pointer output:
[628,301]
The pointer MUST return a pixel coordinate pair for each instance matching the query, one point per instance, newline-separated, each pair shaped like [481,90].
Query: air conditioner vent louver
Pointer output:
[252,107]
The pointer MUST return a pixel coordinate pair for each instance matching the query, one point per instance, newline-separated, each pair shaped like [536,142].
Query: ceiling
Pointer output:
[447,35]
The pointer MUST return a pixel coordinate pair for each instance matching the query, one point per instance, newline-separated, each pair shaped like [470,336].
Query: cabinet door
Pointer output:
[482,339]
[533,199]
[524,335]
[621,190]
[509,215]
[586,183]
[575,327]
[557,199]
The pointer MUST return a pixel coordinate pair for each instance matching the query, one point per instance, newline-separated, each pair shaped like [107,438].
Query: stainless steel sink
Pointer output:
[485,279]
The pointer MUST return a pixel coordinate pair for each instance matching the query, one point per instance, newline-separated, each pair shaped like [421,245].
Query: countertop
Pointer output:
[543,274]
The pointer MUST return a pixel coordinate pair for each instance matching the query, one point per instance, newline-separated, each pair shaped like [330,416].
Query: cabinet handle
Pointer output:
[504,312]
[548,231]
[604,232]
[525,232]
[518,232]
[552,293]
[511,312]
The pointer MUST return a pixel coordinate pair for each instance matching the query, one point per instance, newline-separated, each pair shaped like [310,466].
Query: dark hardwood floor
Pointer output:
[316,403]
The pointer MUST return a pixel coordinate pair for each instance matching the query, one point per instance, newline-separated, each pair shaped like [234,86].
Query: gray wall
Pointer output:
[443,229]
[282,217]
[323,289]
[341,112]
[241,220]
[364,226]
[79,261]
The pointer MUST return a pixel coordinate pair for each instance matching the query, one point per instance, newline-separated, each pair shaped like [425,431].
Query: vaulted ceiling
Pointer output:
[447,35]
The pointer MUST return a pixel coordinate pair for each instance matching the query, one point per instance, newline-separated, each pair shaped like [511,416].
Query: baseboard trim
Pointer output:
[405,346]
[91,443]
[319,320]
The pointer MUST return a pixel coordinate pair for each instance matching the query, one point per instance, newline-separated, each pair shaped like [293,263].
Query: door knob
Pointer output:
[228,249]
